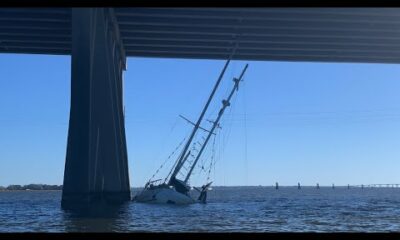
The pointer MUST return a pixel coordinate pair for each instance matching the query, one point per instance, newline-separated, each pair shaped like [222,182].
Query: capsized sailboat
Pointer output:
[176,191]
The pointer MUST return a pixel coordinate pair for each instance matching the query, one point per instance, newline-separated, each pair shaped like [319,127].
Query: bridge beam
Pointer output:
[96,166]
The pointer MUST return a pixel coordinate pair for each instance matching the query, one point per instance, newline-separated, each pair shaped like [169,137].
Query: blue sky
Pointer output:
[290,122]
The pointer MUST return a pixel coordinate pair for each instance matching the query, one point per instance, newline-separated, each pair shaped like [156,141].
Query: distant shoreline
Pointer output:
[45,187]
[42,190]
[31,187]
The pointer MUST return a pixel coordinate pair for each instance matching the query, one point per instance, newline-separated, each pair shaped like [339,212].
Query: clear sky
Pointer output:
[290,122]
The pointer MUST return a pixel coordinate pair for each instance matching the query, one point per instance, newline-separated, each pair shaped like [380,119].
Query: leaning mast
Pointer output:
[182,158]
[225,104]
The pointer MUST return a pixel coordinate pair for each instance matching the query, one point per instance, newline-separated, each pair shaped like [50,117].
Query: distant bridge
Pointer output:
[99,40]
[392,185]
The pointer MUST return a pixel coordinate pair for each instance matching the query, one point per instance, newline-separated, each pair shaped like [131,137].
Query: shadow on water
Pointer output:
[99,217]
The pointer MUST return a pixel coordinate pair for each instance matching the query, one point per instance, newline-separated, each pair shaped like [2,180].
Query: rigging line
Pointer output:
[215,109]
[230,122]
[212,153]
[164,144]
[203,167]
[212,160]
[173,165]
[219,156]
[158,154]
[245,132]
[173,152]
[225,104]
[223,139]
[220,150]
[203,112]
[203,159]
[193,123]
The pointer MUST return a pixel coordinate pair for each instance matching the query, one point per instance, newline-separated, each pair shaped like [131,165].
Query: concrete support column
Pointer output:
[96,166]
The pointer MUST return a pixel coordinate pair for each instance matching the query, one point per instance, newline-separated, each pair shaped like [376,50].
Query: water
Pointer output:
[229,209]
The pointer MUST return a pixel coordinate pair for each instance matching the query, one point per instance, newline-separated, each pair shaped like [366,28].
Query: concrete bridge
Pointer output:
[99,40]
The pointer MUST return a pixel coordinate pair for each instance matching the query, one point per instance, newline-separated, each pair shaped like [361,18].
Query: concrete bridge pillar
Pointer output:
[96,166]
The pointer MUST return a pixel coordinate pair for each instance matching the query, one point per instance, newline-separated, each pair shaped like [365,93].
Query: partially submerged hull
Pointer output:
[163,195]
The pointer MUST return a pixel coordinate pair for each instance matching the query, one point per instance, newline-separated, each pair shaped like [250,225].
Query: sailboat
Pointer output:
[174,190]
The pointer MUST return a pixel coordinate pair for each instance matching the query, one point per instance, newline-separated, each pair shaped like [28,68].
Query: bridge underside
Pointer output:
[284,34]
[99,40]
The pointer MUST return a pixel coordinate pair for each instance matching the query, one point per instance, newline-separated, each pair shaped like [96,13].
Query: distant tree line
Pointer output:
[31,187]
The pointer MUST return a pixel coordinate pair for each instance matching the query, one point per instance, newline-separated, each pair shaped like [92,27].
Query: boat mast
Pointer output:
[196,127]
[184,159]
[225,103]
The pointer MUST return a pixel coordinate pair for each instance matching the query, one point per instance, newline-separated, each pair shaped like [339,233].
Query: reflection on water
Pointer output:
[229,209]
[95,218]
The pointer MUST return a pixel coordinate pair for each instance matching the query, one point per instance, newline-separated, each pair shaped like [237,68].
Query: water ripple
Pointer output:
[230,209]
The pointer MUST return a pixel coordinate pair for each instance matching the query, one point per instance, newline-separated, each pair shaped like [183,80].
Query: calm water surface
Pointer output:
[229,209]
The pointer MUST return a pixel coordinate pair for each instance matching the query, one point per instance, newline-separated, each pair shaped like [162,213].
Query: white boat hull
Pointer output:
[163,195]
